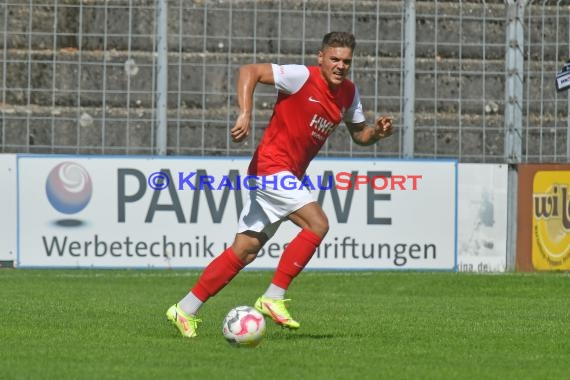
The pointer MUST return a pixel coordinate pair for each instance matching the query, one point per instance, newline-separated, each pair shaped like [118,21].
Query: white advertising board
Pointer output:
[482,218]
[8,207]
[102,212]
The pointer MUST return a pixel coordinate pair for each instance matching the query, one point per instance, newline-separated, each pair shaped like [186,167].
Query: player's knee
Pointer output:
[320,226]
[246,253]
[324,228]
[249,257]
[247,245]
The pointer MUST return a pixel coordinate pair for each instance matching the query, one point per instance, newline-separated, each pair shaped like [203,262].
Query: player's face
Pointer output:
[335,63]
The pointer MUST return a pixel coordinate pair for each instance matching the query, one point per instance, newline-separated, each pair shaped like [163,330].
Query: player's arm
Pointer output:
[249,76]
[364,134]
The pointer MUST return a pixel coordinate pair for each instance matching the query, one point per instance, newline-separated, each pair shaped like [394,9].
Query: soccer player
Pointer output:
[311,103]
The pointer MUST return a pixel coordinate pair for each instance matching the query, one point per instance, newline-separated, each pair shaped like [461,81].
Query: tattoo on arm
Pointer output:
[359,134]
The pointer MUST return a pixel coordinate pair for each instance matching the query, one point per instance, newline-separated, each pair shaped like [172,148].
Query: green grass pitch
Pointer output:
[110,324]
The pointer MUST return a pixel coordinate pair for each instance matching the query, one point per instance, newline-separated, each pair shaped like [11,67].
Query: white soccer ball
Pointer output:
[244,326]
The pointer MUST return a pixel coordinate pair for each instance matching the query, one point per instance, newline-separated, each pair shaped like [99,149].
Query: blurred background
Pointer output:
[471,80]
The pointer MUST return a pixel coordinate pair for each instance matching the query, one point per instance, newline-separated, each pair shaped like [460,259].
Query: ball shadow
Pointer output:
[69,223]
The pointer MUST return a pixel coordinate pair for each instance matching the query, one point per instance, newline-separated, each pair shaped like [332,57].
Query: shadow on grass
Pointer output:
[295,335]
[313,336]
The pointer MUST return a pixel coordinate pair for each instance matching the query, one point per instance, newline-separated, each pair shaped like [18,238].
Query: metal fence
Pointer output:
[472,80]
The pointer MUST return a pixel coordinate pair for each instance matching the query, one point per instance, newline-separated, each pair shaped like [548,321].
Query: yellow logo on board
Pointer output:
[551,220]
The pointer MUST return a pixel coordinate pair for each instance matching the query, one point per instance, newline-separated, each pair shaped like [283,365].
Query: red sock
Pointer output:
[295,257]
[217,275]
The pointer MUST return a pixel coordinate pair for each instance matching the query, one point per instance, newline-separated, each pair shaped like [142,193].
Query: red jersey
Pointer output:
[307,111]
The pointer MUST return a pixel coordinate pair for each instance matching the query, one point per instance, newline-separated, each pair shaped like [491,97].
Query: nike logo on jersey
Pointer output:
[311,99]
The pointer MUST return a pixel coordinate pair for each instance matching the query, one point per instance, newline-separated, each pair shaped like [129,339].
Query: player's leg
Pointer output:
[314,226]
[226,266]
[214,278]
[254,229]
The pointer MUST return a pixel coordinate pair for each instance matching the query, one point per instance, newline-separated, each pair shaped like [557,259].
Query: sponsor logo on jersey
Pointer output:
[321,127]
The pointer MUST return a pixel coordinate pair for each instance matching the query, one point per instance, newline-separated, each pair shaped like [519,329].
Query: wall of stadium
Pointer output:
[102,212]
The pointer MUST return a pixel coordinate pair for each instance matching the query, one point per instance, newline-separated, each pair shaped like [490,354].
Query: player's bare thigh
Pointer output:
[311,216]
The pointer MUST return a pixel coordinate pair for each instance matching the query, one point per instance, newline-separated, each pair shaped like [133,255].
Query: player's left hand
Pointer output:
[383,127]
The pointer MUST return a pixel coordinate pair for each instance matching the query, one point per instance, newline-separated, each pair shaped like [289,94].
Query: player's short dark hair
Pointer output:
[339,39]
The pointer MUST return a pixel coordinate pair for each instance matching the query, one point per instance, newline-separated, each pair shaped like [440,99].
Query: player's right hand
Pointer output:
[241,128]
